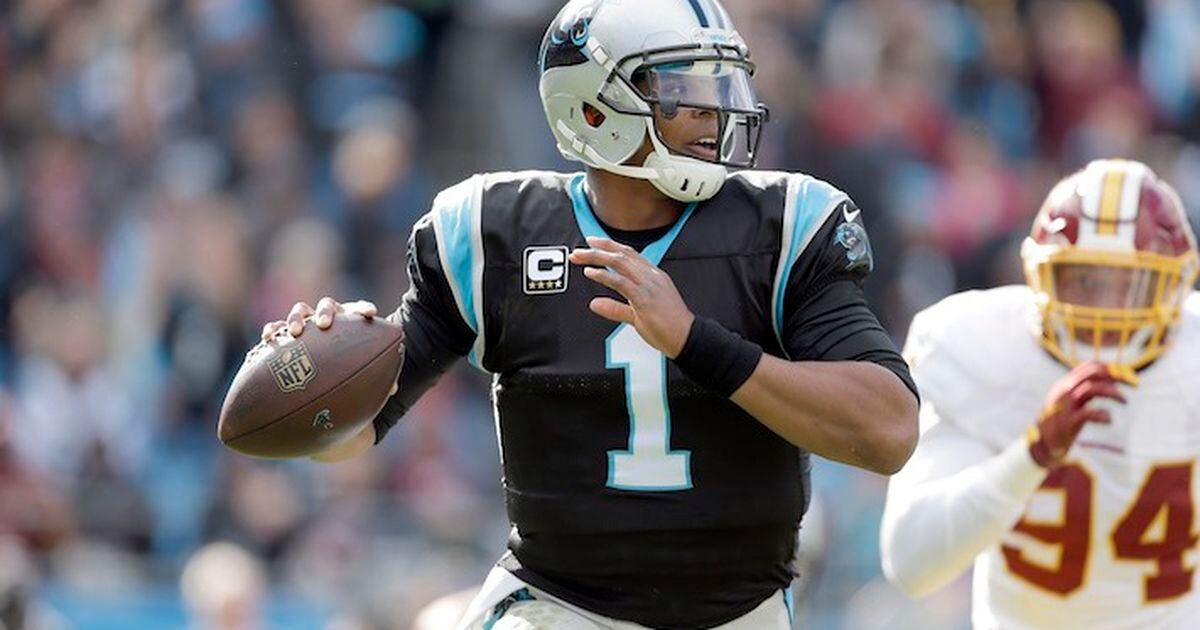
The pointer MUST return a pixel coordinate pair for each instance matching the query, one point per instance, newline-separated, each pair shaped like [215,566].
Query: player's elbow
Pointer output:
[896,436]
[902,564]
[911,581]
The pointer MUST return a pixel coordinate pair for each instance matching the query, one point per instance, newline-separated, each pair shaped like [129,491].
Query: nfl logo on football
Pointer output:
[292,367]
[545,270]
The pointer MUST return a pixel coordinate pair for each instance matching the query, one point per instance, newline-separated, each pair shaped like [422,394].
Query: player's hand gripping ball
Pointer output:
[315,380]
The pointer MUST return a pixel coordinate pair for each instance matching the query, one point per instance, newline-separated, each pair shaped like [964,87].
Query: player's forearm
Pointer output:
[933,530]
[850,411]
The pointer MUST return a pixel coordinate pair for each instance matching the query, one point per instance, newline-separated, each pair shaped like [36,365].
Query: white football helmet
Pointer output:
[607,65]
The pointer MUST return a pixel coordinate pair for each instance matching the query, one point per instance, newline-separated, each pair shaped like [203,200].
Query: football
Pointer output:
[296,396]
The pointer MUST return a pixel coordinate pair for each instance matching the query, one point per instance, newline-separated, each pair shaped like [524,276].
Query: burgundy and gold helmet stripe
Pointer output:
[1110,202]
[1111,195]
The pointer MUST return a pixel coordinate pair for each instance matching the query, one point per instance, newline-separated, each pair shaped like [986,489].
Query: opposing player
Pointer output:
[1061,422]
[668,341]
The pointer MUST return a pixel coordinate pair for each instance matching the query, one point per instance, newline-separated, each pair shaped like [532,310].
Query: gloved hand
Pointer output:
[1067,410]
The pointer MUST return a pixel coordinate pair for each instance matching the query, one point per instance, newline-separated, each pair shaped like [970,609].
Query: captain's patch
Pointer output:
[545,270]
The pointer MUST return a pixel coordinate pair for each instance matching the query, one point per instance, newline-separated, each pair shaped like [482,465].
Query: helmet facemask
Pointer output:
[1114,308]
[716,92]
[1111,259]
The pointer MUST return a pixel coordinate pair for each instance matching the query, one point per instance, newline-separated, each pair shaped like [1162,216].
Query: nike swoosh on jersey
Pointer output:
[850,216]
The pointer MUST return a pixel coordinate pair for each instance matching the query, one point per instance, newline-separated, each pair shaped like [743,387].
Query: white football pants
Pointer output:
[507,603]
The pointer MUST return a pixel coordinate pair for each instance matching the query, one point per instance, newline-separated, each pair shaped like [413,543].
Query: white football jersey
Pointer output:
[1109,539]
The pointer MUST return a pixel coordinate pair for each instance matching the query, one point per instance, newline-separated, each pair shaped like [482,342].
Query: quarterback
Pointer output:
[1061,422]
[668,341]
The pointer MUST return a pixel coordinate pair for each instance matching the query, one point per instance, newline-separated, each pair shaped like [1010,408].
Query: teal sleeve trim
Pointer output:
[809,203]
[456,221]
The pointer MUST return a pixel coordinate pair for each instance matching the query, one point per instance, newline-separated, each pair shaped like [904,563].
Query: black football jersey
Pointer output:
[633,491]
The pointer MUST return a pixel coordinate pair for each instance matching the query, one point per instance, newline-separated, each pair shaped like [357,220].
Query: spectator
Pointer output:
[224,586]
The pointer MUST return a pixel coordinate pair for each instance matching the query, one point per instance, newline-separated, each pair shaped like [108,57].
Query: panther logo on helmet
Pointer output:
[564,41]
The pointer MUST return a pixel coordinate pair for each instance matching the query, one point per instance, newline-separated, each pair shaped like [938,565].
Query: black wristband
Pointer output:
[717,358]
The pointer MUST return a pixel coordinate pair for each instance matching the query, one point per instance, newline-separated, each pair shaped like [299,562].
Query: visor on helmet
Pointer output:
[708,83]
[699,84]
[718,91]
[1106,287]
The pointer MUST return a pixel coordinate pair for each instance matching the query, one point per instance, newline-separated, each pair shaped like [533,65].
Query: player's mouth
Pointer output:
[704,147]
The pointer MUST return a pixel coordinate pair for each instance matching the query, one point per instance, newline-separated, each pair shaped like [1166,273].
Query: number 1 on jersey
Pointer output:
[648,464]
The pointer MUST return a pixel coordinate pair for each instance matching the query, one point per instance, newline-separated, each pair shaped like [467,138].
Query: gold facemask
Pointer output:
[1114,307]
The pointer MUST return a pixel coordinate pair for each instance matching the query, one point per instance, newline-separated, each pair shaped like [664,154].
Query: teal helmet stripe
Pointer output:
[700,15]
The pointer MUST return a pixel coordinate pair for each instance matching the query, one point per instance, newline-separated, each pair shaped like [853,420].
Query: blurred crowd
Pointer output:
[175,173]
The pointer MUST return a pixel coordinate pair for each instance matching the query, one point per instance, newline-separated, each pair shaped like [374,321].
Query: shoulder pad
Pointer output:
[976,360]
[761,180]
[510,197]
[808,204]
[1191,309]
[1183,356]
[964,336]
[546,179]
[456,224]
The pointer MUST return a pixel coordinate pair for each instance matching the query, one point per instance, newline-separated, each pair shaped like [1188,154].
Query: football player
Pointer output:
[668,341]
[1061,421]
